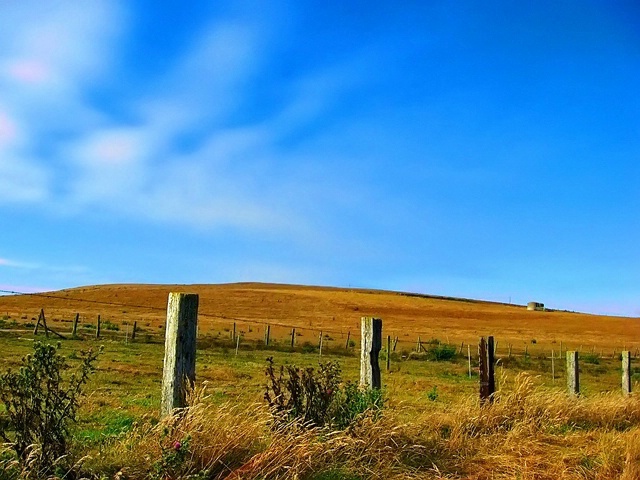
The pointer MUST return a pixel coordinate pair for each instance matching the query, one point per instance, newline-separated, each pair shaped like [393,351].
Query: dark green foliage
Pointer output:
[350,403]
[316,398]
[441,352]
[592,358]
[174,455]
[40,402]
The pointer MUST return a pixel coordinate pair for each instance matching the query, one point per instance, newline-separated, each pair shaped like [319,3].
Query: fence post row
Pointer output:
[370,345]
[179,372]
[487,369]
[626,372]
[573,374]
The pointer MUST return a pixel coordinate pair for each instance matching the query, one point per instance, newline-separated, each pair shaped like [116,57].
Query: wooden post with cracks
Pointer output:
[487,369]
[179,371]
[370,345]
[573,373]
[626,372]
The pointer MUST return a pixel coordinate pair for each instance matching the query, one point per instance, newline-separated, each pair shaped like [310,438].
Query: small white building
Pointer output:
[535,306]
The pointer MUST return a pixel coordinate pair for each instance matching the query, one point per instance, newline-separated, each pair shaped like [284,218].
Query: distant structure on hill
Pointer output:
[538,307]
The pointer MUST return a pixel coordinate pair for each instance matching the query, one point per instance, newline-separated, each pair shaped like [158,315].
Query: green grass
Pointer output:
[125,390]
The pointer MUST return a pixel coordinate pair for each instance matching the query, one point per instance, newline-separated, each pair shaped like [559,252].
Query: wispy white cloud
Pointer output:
[230,176]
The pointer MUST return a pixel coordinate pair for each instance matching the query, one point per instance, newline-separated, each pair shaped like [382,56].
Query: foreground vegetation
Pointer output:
[432,425]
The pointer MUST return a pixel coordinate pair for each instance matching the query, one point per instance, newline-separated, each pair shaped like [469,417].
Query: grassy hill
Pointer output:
[332,310]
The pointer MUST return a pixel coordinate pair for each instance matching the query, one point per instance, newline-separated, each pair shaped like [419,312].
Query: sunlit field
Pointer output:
[432,425]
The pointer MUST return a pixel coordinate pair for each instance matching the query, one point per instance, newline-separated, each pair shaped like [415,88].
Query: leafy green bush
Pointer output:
[39,403]
[317,398]
[592,358]
[441,352]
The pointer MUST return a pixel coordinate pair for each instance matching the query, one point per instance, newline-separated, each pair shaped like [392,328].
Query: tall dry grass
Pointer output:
[528,433]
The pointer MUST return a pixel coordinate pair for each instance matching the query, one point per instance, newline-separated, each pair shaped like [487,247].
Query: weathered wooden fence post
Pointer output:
[179,350]
[370,345]
[41,320]
[626,372]
[395,343]
[75,325]
[98,324]
[293,337]
[573,374]
[233,332]
[133,332]
[469,358]
[237,344]
[553,368]
[487,365]
[346,345]
[267,332]
[388,352]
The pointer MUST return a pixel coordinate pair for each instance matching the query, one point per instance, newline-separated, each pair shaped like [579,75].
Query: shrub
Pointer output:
[441,352]
[592,358]
[316,398]
[39,404]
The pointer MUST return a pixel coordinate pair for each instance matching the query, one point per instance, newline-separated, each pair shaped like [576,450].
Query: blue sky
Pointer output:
[485,151]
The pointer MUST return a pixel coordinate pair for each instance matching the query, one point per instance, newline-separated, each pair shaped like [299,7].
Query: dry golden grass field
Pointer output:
[337,311]
[432,426]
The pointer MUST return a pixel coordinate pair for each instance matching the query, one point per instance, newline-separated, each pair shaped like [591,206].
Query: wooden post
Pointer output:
[98,327]
[293,337]
[75,325]
[41,320]
[553,369]
[133,332]
[179,371]
[370,345]
[469,358]
[395,343]
[419,345]
[267,333]
[573,374]
[510,350]
[233,332]
[461,347]
[346,345]
[388,352]
[491,364]
[320,341]
[626,372]
[487,377]
[237,344]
